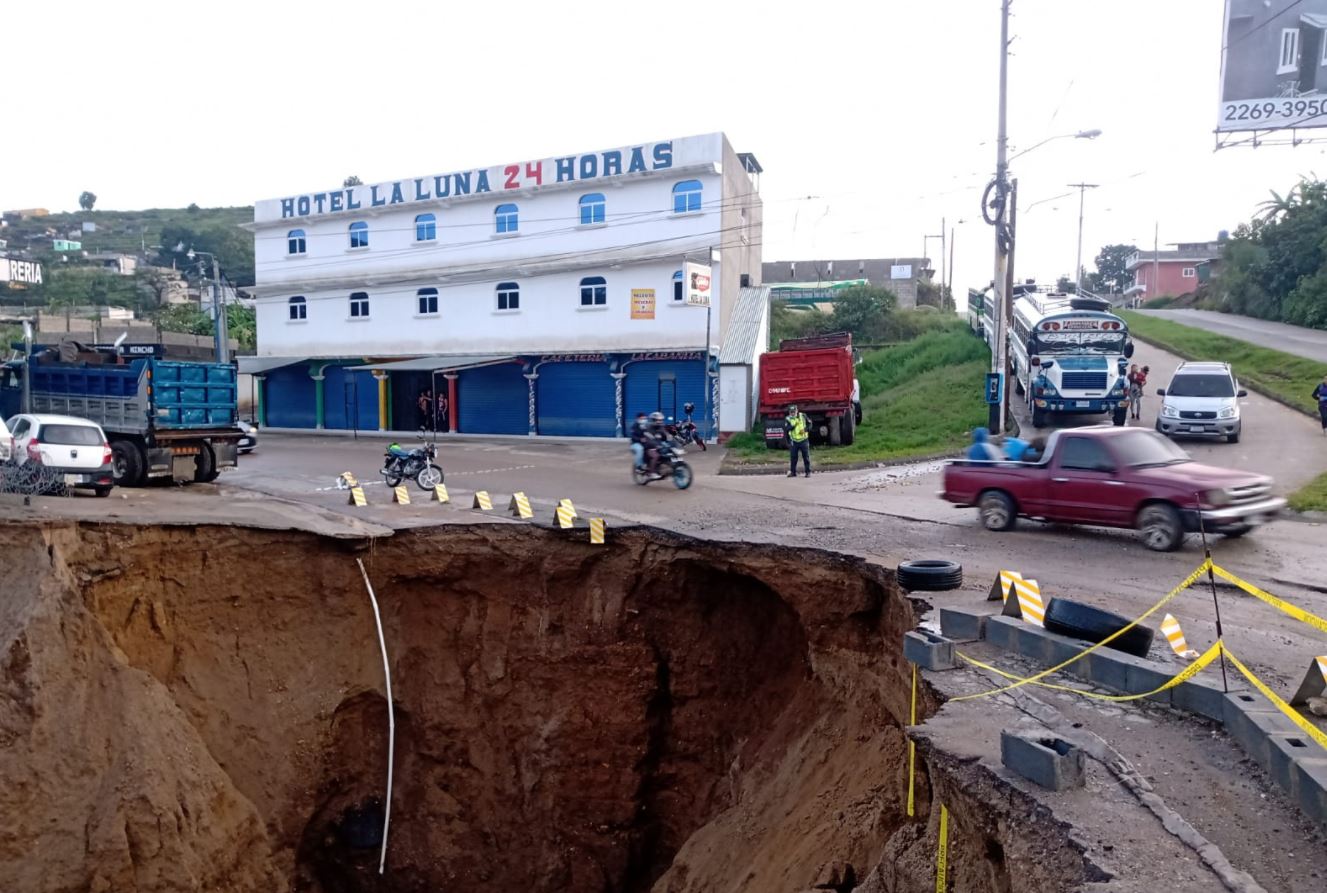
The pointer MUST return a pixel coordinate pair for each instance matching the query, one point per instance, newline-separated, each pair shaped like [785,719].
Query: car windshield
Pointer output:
[1142,449]
[1201,386]
[70,435]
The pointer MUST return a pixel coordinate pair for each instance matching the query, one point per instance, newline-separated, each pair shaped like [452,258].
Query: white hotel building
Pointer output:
[542,297]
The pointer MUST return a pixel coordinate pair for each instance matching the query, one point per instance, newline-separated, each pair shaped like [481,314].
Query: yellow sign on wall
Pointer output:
[642,303]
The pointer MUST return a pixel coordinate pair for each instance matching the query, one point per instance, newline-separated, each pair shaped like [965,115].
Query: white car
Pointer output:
[6,443]
[1201,401]
[69,451]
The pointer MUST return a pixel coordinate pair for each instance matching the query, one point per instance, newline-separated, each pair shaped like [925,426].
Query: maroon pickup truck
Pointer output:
[1114,477]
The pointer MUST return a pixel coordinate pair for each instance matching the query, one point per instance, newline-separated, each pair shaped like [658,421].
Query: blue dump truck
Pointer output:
[165,420]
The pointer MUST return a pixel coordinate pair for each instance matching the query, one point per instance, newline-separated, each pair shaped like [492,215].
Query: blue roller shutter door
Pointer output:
[351,399]
[665,386]
[290,396]
[577,400]
[494,400]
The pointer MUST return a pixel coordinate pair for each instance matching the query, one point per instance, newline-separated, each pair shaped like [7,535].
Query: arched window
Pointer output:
[359,234]
[592,208]
[428,301]
[359,305]
[509,296]
[678,292]
[594,291]
[686,197]
[295,242]
[298,308]
[505,217]
[426,228]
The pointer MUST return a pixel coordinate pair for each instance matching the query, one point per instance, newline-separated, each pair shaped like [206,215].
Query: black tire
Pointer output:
[392,476]
[1159,523]
[425,479]
[1232,438]
[681,475]
[930,575]
[101,492]
[997,510]
[856,414]
[1038,417]
[127,463]
[1235,531]
[1080,621]
[849,432]
[1119,417]
[205,465]
[835,426]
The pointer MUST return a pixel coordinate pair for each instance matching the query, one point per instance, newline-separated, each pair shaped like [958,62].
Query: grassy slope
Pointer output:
[1282,376]
[918,399]
[124,230]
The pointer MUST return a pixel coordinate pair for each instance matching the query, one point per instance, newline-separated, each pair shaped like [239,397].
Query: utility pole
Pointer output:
[219,311]
[951,263]
[1000,356]
[1078,267]
[944,281]
[1008,310]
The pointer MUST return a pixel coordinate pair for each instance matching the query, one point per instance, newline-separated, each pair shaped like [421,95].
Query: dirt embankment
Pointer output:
[202,709]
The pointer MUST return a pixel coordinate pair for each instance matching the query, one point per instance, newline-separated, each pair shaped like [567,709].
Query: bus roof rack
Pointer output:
[1083,302]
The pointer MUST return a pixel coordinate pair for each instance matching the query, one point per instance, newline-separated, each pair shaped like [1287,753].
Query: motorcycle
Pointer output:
[416,465]
[686,433]
[671,465]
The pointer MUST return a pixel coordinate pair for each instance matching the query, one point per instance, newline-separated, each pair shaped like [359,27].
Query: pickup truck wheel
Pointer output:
[126,463]
[1236,530]
[996,510]
[205,465]
[930,575]
[1079,621]
[1160,525]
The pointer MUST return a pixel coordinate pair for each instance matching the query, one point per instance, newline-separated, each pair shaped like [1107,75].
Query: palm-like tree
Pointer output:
[1280,205]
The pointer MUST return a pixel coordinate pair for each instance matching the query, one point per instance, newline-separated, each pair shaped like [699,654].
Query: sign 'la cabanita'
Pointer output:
[629,160]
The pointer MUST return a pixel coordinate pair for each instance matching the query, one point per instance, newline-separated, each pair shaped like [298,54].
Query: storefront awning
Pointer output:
[259,365]
[437,364]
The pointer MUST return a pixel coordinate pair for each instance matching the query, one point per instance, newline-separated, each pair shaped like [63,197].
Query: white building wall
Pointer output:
[550,319]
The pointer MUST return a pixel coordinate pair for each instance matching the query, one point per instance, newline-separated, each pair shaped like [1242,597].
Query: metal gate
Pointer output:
[576,399]
[494,400]
[665,386]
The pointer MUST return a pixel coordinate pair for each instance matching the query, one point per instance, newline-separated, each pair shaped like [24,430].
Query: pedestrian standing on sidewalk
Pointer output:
[1320,394]
[425,405]
[444,423]
[797,428]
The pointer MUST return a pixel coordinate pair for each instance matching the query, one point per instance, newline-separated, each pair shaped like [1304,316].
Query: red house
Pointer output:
[1174,272]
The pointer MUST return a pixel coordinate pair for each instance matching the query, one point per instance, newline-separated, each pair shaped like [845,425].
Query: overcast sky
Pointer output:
[885,111]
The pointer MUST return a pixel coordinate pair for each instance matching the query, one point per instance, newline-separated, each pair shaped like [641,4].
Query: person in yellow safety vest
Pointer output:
[797,428]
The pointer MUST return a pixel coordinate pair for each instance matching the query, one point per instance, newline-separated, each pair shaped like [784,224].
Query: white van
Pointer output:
[1201,401]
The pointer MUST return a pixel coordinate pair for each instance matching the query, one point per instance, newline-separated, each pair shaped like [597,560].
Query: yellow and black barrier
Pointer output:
[401,495]
[597,537]
[1315,681]
[482,501]
[565,515]
[520,506]
[357,497]
[440,493]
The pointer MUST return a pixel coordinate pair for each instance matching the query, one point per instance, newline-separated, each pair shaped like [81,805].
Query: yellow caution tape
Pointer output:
[1294,715]
[1184,584]
[942,853]
[912,745]
[1186,674]
[1298,613]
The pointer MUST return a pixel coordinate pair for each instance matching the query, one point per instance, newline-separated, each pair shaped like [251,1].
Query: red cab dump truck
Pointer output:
[818,375]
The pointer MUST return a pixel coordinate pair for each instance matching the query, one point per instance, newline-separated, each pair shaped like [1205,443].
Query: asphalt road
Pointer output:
[1310,343]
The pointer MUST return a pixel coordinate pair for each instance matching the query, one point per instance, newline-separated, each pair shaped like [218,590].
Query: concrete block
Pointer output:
[1050,762]
[1201,696]
[1250,720]
[1144,675]
[1031,642]
[1284,750]
[1109,669]
[1311,787]
[964,624]
[1061,648]
[1002,632]
[928,651]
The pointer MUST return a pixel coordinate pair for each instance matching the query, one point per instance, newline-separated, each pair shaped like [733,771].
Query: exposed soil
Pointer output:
[203,709]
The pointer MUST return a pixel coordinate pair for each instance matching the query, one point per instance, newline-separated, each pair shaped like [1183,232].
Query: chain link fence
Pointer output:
[31,479]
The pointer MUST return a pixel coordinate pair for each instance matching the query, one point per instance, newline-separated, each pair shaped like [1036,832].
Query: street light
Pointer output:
[1080,135]
[218,307]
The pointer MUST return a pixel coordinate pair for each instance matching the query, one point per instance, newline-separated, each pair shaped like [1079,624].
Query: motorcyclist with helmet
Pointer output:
[656,434]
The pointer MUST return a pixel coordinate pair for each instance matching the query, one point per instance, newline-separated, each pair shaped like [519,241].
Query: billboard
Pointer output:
[1273,65]
[698,284]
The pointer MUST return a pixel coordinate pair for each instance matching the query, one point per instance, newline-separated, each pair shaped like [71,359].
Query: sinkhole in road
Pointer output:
[203,708]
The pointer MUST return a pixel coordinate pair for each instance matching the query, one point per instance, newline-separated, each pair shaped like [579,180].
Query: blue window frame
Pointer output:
[686,197]
[428,301]
[505,217]
[509,296]
[426,228]
[678,292]
[359,305]
[594,291]
[299,308]
[296,242]
[359,234]
[592,208]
